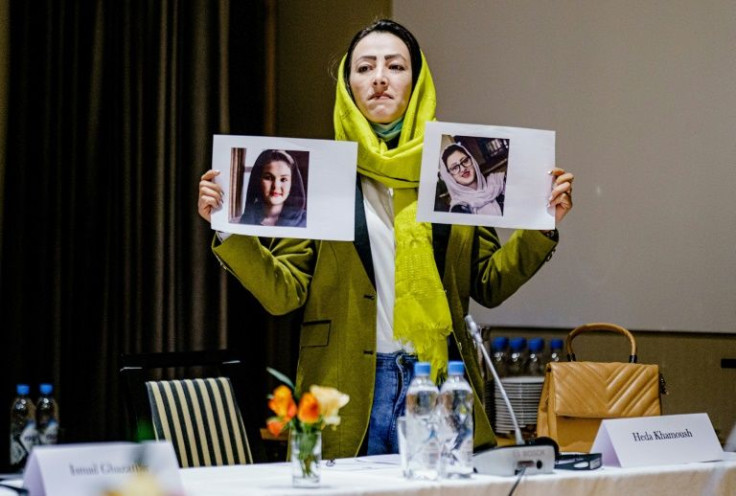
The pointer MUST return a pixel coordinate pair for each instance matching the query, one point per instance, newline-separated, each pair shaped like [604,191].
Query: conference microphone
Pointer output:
[537,457]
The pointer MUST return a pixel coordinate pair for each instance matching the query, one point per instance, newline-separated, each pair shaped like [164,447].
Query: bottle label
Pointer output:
[29,436]
[17,452]
[22,443]
[456,432]
[49,434]
[422,448]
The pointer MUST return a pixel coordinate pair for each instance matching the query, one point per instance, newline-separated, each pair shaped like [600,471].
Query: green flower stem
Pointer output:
[306,444]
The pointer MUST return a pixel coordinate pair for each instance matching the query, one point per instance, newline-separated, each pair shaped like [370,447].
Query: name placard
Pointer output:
[662,440]
[93,469]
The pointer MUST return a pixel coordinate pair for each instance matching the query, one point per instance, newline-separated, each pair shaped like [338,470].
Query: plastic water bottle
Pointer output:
[517,357]
[23,435]
[500,361]
[47,416]
[555,350]
[456,423]
[536,362]
[423,445]
[500,355]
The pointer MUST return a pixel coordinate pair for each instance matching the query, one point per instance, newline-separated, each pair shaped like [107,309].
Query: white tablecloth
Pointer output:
[382,476]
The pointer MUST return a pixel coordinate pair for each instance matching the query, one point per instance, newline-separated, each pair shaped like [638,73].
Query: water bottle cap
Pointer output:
[22,389]
[455,368]
[46,388]
[555,344]
[422,369]
[536,344]
[518,344]
[499,343]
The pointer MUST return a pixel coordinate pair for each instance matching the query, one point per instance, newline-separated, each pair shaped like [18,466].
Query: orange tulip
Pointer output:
[308,409]
[282,403]
[275,426]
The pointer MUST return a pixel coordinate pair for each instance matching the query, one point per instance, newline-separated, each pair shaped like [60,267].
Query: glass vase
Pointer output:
[306,457]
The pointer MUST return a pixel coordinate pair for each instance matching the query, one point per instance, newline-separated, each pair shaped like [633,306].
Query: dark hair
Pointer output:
[454,147]
[396,29]
[297,195]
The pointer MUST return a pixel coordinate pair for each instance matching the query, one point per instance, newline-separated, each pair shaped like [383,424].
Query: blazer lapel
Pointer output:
[440,238]
[362,242]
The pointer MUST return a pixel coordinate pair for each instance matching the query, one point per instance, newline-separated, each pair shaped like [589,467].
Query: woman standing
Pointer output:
[400,291]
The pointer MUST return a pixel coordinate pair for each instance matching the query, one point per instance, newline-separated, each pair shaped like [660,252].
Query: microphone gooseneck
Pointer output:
[475,334]
[521,458]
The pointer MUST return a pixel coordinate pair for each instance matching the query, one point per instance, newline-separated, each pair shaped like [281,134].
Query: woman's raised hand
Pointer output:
[210,194]
[561,196]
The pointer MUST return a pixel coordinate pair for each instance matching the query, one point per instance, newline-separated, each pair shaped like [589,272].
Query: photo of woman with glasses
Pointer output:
[469,190]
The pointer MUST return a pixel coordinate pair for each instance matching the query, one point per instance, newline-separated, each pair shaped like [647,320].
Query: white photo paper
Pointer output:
[285,187]
[483,175]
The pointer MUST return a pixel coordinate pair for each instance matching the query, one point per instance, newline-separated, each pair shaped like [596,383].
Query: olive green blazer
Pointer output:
[333,281]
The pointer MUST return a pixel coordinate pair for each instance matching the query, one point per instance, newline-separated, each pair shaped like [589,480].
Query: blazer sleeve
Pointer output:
[277,271]
[498,271]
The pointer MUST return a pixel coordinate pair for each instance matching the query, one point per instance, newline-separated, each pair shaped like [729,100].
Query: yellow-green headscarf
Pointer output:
[421,313]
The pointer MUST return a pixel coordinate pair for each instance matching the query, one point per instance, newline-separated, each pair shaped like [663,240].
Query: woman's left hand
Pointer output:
[561,196]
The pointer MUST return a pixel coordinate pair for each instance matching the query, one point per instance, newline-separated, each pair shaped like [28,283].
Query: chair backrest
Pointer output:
[201,419]
[191,399]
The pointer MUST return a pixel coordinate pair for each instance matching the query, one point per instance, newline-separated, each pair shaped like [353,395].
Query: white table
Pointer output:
[382,476]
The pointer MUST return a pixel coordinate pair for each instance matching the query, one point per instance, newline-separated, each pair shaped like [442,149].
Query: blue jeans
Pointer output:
[394,371]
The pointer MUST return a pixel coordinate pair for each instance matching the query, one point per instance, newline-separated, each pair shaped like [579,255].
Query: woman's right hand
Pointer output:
[210,194]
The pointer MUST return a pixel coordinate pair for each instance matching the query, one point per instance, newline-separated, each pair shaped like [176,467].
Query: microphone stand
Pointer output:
[509,460]
[478,339]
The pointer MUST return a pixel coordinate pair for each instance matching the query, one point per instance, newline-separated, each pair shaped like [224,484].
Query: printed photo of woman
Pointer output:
[276,195]
[469,190]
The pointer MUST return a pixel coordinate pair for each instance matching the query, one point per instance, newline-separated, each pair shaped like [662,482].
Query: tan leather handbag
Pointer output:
[577,396]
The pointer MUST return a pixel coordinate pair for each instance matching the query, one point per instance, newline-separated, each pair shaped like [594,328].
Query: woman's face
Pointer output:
[380,77]
[275,182]
[461,168]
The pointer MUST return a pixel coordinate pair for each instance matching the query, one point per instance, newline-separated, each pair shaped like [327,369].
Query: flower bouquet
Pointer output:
[305,416]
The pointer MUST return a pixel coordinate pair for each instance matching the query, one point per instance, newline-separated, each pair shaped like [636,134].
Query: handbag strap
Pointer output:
[595,327]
